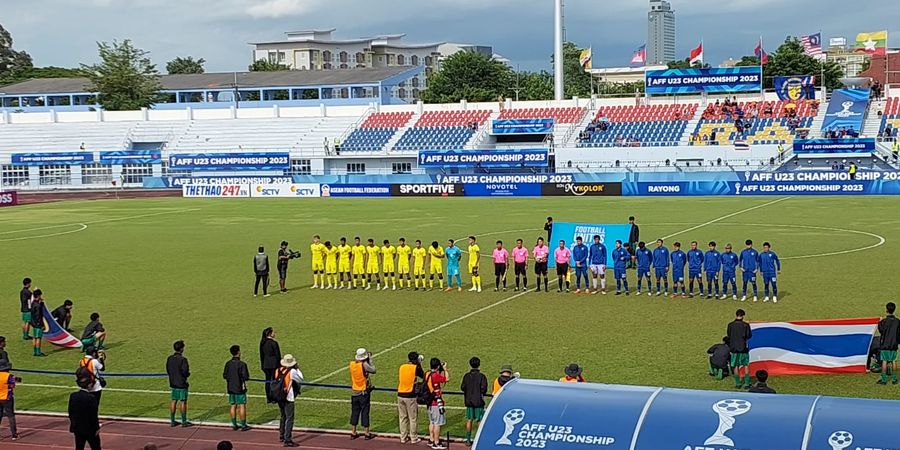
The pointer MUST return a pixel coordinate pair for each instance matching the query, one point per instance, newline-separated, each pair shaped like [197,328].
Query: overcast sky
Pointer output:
[64,32]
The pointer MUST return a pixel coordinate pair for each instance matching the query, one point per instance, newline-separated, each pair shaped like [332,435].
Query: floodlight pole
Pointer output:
[558,80]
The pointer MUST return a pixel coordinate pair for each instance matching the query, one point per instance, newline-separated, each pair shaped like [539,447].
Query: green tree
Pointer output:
[185,65]
[125,78]
[11,60]
[686,64]
[262,65]
[577,81]
[28,73]
[468,75]
[532,86]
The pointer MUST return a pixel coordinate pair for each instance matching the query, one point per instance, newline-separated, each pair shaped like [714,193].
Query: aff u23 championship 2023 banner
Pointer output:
[609,233]
[713,80]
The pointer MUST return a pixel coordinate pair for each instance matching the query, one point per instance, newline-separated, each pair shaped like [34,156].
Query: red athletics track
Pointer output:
[52,432]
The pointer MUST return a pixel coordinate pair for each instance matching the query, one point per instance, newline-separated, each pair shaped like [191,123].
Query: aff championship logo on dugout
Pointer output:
[538,435]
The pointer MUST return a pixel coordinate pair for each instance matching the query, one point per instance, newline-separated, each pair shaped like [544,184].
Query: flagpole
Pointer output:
[822,64]
[762,51]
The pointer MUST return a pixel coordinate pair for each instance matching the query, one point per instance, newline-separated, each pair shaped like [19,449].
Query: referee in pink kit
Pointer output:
[562,255]
[501,262]
[520,257]
[541,254]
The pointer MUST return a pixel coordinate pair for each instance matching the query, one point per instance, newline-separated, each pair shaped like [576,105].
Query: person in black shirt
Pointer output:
[261,269]
[738,334]
[284,255]
[889,330]
[633,238]
[179,371]
[37,321]
[236,376]
[4,357]
[548,227]
[25,302]
[269,357]
[761,386]
[84,416]
[63,314]
[474,387]
[719,357]
[94,333]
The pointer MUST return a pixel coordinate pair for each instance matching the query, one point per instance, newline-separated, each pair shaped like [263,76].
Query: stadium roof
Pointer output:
[42,86]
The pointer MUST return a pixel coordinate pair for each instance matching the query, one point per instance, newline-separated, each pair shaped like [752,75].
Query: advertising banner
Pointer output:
[527,178]
[182,181]
[847,146]
[122,157]
[853,424]
[50,159]
[9,199]
[304,190]
[356,190]
[609,234]
[796,89]
[846,109]
[582,189]
[215,191]
[503,190]
[762,183]
[484,158]
[712,80]
[522,126]
[230,161]
[427,190]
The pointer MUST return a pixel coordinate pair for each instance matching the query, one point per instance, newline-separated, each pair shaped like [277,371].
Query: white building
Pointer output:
[318,50]
[851,62]
[660,32]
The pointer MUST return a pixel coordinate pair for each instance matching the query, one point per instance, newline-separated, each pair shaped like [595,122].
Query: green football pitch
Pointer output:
[165,269]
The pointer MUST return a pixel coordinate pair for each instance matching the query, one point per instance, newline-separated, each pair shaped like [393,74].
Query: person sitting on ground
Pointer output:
[761,386]
[94,333]
[63,314]
[719,356]
[573,374]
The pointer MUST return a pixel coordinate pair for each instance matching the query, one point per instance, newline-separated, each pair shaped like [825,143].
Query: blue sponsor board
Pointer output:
[229,161]
[483,158]
[503,190]
[677,188]
[795,89]
[356,190]
[853,424]
[758,186]
[818,146]
[248,180]
[846,109]
[609,234]
[525,178]
[687,81]
[49,159]
[522,126]
[123,157]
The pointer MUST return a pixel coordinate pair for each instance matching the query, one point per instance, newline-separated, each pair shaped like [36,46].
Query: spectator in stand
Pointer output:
[712,136]
[705,138]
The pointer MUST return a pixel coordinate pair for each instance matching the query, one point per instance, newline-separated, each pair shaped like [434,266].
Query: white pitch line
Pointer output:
[84,225]
[881,239]
[25,238]
[727,216]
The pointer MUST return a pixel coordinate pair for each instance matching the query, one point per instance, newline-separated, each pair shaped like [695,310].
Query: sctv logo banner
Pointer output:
[304,190]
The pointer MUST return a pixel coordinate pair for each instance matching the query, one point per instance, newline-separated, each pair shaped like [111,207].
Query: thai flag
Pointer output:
[741,145]
[56,335]
[811,347]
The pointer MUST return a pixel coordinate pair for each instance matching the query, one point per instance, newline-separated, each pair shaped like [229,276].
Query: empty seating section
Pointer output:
[63,137]
[890,117]
[245,135]
[442,129]
[770,122]
[559,115]
[644,125]
[376,131]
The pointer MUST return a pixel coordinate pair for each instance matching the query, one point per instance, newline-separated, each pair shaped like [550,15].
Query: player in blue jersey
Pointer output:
[749,262]
[597,258]
[643,257]
[679,259]
[729,270]
[695,268]
[620,257]
[712,262]
[770,266]
[453,255]
[580,256]
[661,266]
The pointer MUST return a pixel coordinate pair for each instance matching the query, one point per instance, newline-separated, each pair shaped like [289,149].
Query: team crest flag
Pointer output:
[697,55]
[640,56]
[811,347]
[586,58]
[56,335]
[872,43]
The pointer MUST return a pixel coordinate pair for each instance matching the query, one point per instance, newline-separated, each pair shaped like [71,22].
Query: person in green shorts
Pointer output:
[738,334]
[178,370]
[37,321]
[94,333]
[25,302]
[474,387]
[236,375]
[719,358]
[889,329]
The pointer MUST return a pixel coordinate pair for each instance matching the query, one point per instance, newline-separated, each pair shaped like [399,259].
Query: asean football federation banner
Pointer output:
[229,161]
[796,89]
[713,80]
[847,146]
[483,158]
[529,414]
[49,159]
[522,126]
[608,233]
[847,109]
[122,157]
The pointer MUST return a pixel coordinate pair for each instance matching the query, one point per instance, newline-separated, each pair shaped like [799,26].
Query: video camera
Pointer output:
[292,254]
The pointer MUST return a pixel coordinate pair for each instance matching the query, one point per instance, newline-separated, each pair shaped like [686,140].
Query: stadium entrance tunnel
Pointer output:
[530,414]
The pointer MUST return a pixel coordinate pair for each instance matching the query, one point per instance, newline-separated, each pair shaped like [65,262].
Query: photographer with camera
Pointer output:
[435,380]
[7,384]
[361,399]
[89,367]
[261,270]
[284,256]
[409,374]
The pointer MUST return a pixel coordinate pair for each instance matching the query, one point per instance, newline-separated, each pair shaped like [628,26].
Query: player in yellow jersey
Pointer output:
[387,264]
[372,253]
[317,256]
[474,262]
[331,265]
[344,253]
[359,263]
[404,253]
[419,254]
[436,256]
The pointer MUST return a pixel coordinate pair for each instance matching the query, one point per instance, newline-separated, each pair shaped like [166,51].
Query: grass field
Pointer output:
[168,269]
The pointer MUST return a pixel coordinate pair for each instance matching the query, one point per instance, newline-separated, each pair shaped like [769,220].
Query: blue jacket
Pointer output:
[620,257]
[729,262]
[695,260]
[769,262]
[678,261]
[580,254]
[749,260]
[712,261]
[597,254]
[644,258]
[661,258]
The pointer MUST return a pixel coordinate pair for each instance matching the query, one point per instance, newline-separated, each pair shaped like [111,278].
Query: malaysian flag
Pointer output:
[812,45]
[56,335]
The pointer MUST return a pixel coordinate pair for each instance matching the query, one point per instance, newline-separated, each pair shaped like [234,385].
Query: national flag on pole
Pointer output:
[761,54]
[585,59]
[811,347]
[812,45]
[872,43]
[640,56]
[741,145]
[56,335]
[697,55]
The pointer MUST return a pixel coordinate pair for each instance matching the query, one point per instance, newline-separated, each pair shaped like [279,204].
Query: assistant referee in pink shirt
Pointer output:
[501,263]
[520,257]
[562,256]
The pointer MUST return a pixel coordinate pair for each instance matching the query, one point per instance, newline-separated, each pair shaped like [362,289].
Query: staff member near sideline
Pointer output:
[269,357]
[7,400]
[548,227]
[261,269]
[178,370]
[410,372]
[360,399]
[633,238]
[84,415]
